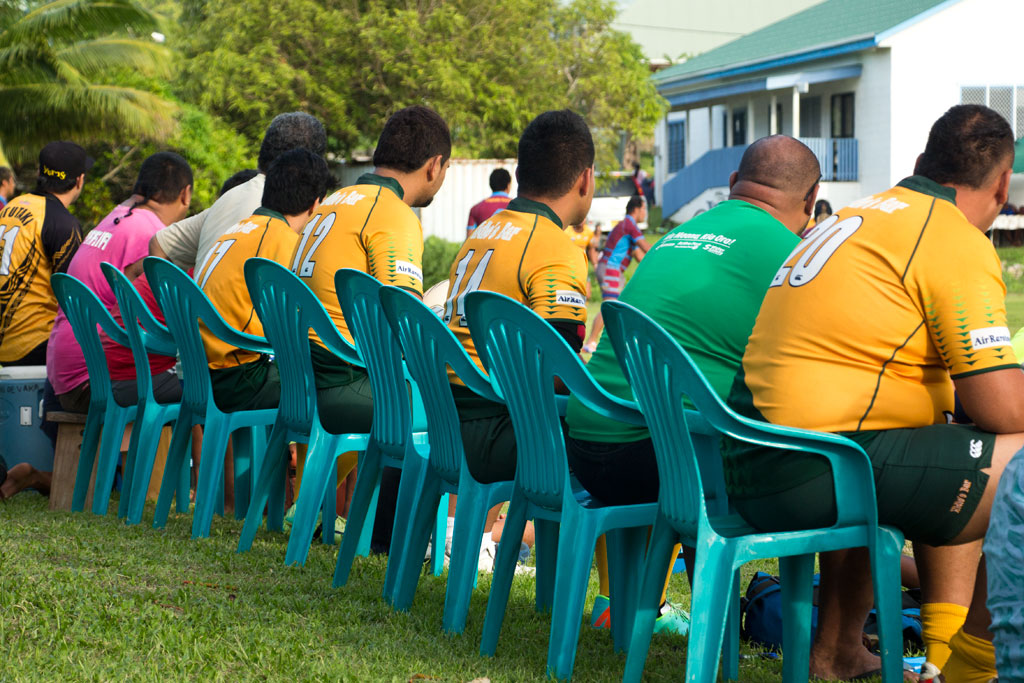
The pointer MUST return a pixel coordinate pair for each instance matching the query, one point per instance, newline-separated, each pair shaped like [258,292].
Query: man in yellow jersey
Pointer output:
[371,226]
[869,326]
[522,252]
[38,237]
[295,185]
[584,236]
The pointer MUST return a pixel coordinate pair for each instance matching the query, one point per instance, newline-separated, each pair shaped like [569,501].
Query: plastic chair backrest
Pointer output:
[184,305]
[288,309]
[85,311]
[430,347]
[661,373]
[145,332]
[523,354]
[359,296]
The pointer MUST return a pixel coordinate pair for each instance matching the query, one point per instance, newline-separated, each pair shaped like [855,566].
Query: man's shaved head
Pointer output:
[781,163]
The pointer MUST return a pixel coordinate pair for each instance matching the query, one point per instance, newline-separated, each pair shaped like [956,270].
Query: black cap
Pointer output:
[64,160]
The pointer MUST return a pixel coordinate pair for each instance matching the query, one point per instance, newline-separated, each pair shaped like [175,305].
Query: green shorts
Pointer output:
[928,482]
[344,400]
[487,436]
[250,386]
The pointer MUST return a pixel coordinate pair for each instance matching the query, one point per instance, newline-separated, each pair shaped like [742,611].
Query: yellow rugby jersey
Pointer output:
[38,237]
[220,275]
[368,227]
[874,312]
[523,253]
[583,238]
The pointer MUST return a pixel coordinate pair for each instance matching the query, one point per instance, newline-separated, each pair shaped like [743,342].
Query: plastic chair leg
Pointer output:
[128,487]
[181,439]
[547,534]
[575,556]
[663,539]
[271,470]
[440,536]
[414,543]
[626,548]
[731,643]
[142,452]
[329,506]
[471,508]
[795,577]
[211,474]
[504,570]
[87,457]
[885,573]
[320,461]
[360,519]
[114,423]
[413,487]
[715,567]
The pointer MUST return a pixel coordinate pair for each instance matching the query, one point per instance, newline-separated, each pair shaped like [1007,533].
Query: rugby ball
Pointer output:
[436,296]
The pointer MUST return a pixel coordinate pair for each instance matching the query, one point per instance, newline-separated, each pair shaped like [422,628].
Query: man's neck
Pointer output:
[410,188]
[563,206]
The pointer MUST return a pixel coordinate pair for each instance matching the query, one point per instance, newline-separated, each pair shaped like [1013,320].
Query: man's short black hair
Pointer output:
[55,185]
[237,179]
[291,131]
[554,150]
[162,177]
[634,203]
[500,180]
[965,146]
[295,181]
[410,138]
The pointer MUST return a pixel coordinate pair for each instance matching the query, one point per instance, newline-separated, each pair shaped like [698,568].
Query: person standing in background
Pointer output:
[500,182]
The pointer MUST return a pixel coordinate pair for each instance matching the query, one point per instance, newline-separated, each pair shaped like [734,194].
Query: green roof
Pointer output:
[832,23]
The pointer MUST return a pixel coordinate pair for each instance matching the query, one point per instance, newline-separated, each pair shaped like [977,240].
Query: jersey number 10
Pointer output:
[811,255]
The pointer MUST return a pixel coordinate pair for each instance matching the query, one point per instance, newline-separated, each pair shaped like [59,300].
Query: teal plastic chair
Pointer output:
[398,436]
[145,335]
[686,447]
[288,310]
[430,347]
[85,312]
[184,305]
[523,354]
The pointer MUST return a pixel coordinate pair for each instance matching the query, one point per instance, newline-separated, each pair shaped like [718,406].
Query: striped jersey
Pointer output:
[522,253]
[220,275]
[874,313]
[368,227]
[618,248]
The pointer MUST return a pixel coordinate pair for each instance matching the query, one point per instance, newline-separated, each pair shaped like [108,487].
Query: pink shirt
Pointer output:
[121,244]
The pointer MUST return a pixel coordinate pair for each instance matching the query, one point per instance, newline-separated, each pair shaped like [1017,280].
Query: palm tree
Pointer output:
[63,69]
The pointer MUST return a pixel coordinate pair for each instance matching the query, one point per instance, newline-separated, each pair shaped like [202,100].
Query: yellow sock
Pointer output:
[939,621]
[675,553]
[973,659]
[601,559]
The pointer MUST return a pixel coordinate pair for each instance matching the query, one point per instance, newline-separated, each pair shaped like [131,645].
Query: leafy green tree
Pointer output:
[59,62]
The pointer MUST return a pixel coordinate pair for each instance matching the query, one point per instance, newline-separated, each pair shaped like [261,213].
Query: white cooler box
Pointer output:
[21,412]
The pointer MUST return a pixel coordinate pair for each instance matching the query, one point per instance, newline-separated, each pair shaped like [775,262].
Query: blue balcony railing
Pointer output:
[837,156]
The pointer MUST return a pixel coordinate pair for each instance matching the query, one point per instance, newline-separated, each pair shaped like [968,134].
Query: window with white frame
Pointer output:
[1008,100]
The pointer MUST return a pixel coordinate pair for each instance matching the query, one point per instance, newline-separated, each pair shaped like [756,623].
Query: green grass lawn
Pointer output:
[87,598]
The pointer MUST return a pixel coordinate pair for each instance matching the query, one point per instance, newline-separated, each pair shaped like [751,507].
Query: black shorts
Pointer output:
[928,482]
[615,473]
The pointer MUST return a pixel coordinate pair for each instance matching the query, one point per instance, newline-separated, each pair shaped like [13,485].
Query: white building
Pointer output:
[860,81]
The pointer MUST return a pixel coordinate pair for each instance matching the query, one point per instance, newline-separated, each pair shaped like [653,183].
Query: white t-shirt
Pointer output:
[188,240]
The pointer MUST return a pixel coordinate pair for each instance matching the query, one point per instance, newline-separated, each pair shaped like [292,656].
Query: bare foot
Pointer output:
[843,666]
[23,476]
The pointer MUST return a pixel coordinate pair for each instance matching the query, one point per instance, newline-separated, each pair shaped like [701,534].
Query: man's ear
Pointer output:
[433,165]
[1003,187]
[809,202]
[732,179]
[586,182]
[185,197]
[80,182]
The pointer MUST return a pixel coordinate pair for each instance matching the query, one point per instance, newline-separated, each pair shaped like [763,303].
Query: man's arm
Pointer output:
[641,249]
[994,400]
[179,242]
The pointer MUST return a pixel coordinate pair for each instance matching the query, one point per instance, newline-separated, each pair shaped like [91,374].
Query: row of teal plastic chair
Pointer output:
[523,355]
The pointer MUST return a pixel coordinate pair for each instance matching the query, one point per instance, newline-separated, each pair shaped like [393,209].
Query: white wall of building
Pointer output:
[464,185]
[972,42]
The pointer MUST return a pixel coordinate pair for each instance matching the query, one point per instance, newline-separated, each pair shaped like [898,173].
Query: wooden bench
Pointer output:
[65,459]
[70,427]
